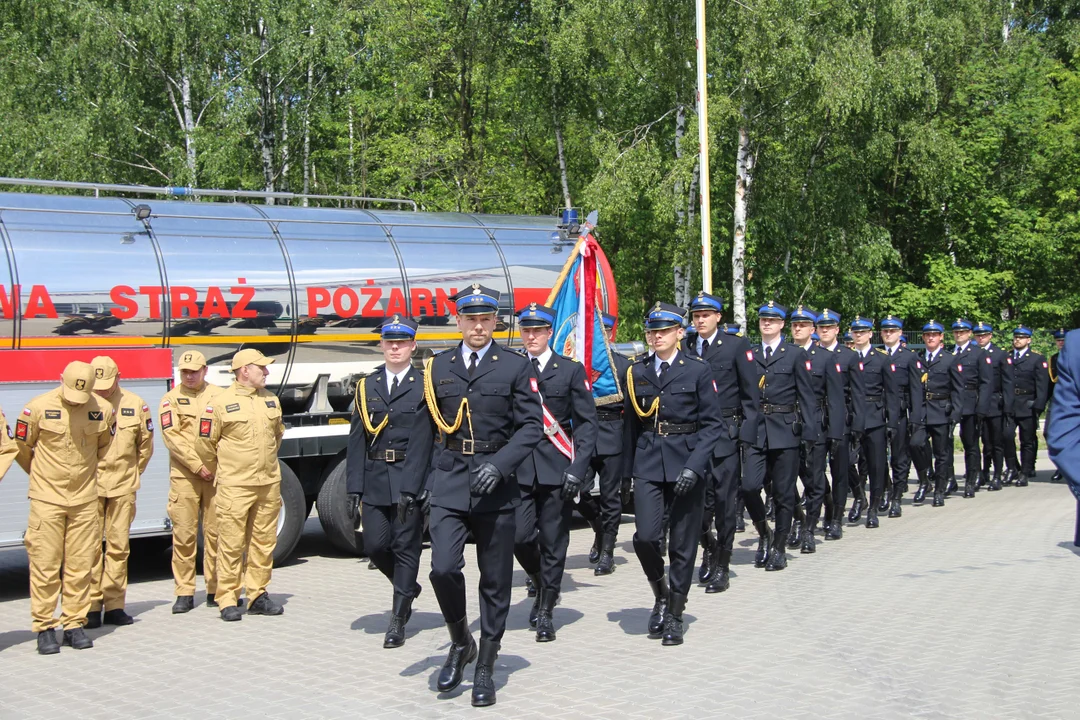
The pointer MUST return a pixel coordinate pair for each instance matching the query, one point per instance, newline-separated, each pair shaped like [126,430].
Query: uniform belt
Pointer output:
[390,456]
[608,414]
[731,412]
[471,447]
[873,398]
[670,428]
[937,396]
[1018,391]
[769,408]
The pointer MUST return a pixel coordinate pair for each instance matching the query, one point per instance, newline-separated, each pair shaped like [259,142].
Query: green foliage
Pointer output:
[909,158]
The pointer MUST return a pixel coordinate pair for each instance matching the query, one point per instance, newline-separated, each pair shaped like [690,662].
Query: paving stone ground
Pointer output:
[966,611]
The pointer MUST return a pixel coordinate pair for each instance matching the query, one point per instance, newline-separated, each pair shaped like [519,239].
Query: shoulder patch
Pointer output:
[127,412]
[271,404]
[149,425]
[20,429]
[26,411]
[209,410]
[166,420]
[204,427]
[53,415]
[146,408]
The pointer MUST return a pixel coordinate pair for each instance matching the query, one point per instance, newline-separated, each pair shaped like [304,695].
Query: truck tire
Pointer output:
[291,520]
[340,530]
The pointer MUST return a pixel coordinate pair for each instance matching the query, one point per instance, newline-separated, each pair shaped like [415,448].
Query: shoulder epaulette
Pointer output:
[695,357]
[881,351]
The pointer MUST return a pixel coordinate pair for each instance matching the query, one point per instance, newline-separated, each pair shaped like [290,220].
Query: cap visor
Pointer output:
[105,383]
[75,397]
[264,361]
[191,366]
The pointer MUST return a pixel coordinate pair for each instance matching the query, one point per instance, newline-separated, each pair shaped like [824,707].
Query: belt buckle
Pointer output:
[468,447]
[390,456]
[660,428]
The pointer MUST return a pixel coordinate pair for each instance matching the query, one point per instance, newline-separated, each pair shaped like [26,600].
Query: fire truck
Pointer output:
[142,274]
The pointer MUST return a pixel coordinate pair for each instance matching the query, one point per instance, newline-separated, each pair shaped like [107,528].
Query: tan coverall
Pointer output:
[242,428]
[8,449]
[178,417]
[117,483]
[60,446]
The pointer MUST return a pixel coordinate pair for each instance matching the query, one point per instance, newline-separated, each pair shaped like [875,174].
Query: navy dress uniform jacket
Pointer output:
[504,400]
[733,370]
[879,390]
[568,397]
[999,400]
[1031,375]
[906,369]
[845,391]
[686,395]
[408,432]
[828,392]
[783,380]
[1063,428]
[977,377]
[613,432]
[942,378]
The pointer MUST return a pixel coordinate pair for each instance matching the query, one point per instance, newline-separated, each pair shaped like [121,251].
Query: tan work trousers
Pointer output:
[186,499]
[61,537]
[115,516]
[247,524]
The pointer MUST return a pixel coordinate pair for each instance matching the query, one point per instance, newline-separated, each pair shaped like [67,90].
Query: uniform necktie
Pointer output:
[474,360]
[1016,355]
[768,351]
[536,364]
[704,347]
[394,385]
[664,368]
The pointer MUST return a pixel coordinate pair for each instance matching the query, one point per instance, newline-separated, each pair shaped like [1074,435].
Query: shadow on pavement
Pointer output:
[11,638]
[505,665]
[376,623]
[1068,545]
[633,621]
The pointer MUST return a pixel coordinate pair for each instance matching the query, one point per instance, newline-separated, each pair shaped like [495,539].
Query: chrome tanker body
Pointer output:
[143,280]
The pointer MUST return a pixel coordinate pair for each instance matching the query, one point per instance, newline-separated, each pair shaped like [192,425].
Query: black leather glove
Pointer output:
[571,485]
[917,434]
[405,505]
[352,506]
[590,482]
[424,500]
[687,479]
[486,478]
[807,448]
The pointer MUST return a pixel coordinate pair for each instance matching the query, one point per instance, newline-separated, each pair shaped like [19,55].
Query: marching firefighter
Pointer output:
[1031,389]
[241,428]
[485,401]
[943,388]
[677,416]
[553,473]
[191,482]
[905,412]
[997,405]
[62,436]
[390,443]
[879,392]
[117,482]
[977,376]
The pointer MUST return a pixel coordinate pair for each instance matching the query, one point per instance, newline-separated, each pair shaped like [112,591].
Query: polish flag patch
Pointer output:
[145,408]
[536,388]
[808,366]
[893,366]
[861,365]
[165,404]
[918,364]
[1008,360]
[988,360]
[1045,365]
[750,355]
[26,412]
[838,368]
[959,368]
[587,385]
[714,387]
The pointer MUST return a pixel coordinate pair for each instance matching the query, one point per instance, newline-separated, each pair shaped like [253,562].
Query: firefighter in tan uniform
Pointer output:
[117,483]
[8,448]
[242,429]
[191,483]
[62,435]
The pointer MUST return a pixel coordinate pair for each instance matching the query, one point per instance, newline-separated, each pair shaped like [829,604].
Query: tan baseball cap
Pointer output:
[105,372]
[78,382]
[249,356]
[192,360]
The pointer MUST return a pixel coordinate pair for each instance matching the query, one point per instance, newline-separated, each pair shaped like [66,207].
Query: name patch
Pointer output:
[53,415]
[127,412]
[183,401]
[232,408]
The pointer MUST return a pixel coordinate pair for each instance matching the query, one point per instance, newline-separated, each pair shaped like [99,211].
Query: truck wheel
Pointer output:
[291,520]
[340,530]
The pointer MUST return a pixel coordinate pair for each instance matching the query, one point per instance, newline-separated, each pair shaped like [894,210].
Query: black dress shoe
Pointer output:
[117,617]
[720,582]
[1057,477]
[939,499]
[995,482]
[660,595]
[46,642]
[77,639]
[535,581]
[894,507]
[1022,480]
[777,559]
[1009,478]
[395,633]
[462,652]
[483,688]
[210,601]
[765,543]
[857,505]
[545,626]
[606,563]
[872,518]
[740,521]
[673,622]
[231,614]
[920,494]
[263,605]
[708,555]
[795,537]
[93,619]
[808,545]
[836,531]
[953,486]
[883,505]
[183,604]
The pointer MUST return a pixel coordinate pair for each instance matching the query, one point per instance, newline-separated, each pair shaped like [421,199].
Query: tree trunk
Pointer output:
[189,126]
[284,174]
[679,270]
[352,145]
[266,132]
[744,168]
[307,129]
[1010,7]
[562,166]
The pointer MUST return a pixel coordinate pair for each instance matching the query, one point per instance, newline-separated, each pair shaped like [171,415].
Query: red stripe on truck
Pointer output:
[48,365]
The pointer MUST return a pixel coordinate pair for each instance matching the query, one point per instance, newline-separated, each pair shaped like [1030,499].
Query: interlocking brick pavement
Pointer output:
[966,611]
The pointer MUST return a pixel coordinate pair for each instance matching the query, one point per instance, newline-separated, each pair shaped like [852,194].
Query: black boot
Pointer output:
[765,543]
[531,588]
[663,543]
[656,617]
[924,487]
[983,481]
[770,511]
[93,620]
[183,604]
[606,564]
[708,557]
[740,507]
[594,551]
[836,529]
[1023,477]
[778,555]
[395,634]
[537,583]
[808,544]
[210,601]
[886,499]
[721,579]
[46,642]
[673,627]
[117,617]
[953,486]
[462,652]
[858,504]
[77,639]
[483,686]
[795,536]
[1010,477]
[872,512]
[969,483]
[264,605]
[894,505]
[545,627]
[995,482]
